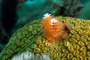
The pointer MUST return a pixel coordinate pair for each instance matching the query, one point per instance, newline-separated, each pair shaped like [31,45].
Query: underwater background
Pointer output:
[15,14]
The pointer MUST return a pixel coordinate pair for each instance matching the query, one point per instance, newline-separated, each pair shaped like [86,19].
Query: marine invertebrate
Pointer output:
[53,29]
[30,56]
[66,7]
[30,38]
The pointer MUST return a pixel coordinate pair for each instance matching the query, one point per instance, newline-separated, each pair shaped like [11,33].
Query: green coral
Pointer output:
[76,45]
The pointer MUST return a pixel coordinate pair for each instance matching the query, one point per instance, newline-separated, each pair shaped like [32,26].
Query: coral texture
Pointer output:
[76,45]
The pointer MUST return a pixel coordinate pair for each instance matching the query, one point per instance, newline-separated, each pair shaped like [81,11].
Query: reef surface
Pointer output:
[31,38]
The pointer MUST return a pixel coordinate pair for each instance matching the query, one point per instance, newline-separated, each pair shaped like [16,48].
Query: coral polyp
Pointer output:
[75,46]
[54,30]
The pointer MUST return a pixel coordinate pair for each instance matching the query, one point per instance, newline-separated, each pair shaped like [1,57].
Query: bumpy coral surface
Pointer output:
[76,46]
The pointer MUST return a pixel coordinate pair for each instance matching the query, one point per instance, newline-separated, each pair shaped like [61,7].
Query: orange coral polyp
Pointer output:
[53,31]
